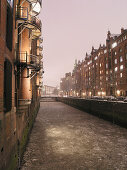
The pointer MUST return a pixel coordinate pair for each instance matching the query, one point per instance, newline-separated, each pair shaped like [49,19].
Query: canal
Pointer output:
[65,138]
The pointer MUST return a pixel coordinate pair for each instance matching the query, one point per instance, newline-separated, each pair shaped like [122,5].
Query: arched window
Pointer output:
[7,86]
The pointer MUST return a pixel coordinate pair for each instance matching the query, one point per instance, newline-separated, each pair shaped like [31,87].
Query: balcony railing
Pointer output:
[35,21]
[28,20]
[40,40]
[39,47]
[23,58]
[36,34]
[35,1]
[22,13]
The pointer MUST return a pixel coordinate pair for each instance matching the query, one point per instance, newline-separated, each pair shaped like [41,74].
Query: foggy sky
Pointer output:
[71,27]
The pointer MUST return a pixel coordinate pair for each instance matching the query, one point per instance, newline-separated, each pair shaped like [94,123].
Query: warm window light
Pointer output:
[114,44]
[118,92]
[83,94]
[99,93]
[116,68]
[36,7]
[103,93]
[121,67]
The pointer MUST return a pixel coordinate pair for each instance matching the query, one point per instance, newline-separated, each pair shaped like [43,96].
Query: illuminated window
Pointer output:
[114,44]
[106,65]
[115,61]
[121,67]
[105,51]
[121,74]
[116,68]
[121,58]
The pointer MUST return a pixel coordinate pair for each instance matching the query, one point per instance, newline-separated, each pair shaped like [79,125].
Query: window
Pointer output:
[126,56]
[121,67]
[7,86]
[106,78]
[106,72]
[116,68]
[114,44]
[0,13]
[10,3]
[106,65]
[9,28]
[121,58]
[105,51]
[115,61]
[120,49]
[121,74]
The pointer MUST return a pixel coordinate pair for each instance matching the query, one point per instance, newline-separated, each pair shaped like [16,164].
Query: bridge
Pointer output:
[65,138]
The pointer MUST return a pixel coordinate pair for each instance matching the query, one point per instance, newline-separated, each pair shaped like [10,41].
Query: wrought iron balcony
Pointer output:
[39,47]
[28,20]
[40,40]
[36,34]
[23,59]
[22,13]
[35,1]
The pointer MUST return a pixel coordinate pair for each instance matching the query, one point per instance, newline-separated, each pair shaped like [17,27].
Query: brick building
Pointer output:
[66,85]
[104,71]
[21,69]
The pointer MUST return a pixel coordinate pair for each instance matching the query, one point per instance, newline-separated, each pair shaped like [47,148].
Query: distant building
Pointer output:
[49,90]
[103,72]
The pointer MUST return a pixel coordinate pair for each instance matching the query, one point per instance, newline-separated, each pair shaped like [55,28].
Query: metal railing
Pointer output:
[35,21]
[24,58]
[35,1]
[40,47]
[22,14]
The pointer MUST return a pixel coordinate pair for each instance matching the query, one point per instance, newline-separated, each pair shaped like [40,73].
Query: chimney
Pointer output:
[108,35]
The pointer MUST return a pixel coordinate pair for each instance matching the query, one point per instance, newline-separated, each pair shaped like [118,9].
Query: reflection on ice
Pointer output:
[59,140]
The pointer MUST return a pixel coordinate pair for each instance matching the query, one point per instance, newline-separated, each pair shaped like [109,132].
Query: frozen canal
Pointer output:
[64,138]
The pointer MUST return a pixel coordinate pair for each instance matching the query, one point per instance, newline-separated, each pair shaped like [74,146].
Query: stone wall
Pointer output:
[14,142]
[116,112]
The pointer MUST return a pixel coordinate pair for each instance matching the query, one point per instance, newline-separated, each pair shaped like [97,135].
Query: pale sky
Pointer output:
[71,27]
